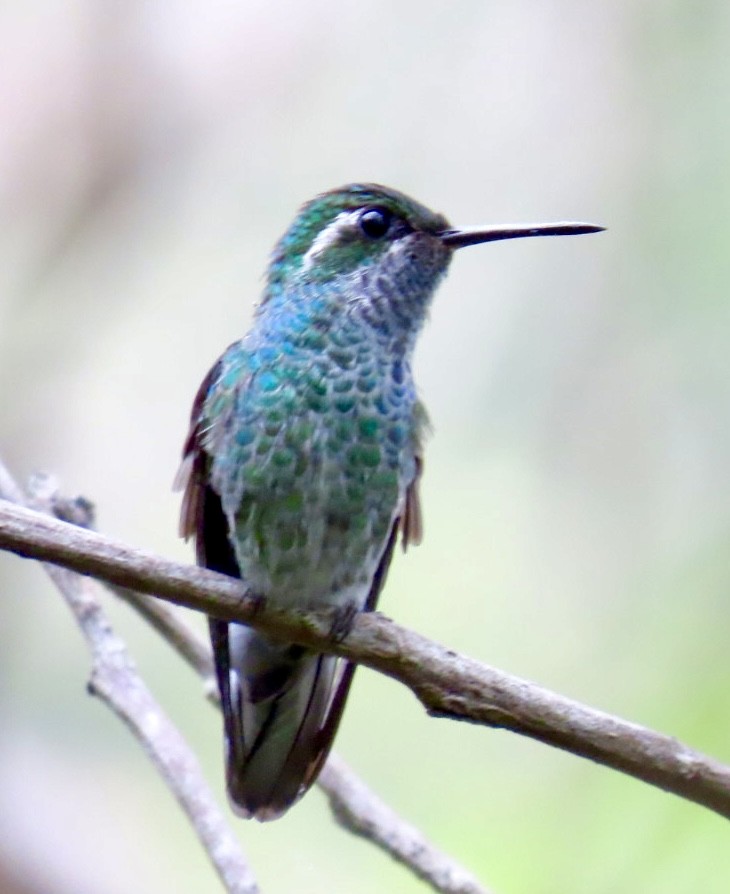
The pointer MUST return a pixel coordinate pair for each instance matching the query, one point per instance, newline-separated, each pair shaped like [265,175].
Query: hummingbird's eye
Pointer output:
[375,222]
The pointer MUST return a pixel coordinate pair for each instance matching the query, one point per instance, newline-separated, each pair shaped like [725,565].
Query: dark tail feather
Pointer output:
[281,707]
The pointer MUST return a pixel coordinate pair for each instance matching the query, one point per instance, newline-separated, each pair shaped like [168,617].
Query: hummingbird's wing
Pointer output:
[192,480]
[411,523]
[203,519]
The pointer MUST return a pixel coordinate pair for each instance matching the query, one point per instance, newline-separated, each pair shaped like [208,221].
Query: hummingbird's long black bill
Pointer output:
[477,235]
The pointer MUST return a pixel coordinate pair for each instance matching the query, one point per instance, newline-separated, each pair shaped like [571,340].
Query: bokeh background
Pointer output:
[576,495]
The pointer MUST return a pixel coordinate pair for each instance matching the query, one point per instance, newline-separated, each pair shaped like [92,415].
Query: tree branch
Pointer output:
[448,685]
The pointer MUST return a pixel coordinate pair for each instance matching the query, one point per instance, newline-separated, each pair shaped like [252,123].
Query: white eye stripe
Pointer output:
[345,220]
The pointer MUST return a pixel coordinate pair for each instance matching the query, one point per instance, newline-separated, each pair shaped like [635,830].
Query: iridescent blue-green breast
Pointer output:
[313,436]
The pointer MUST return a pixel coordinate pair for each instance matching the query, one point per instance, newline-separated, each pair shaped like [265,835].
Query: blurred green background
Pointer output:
[577,483]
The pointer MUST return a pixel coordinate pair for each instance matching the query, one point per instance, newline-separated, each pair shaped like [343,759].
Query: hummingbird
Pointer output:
[302,463]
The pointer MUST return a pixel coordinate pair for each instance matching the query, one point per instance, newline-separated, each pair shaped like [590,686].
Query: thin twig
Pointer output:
[115,680]
[448,685]
[360,811]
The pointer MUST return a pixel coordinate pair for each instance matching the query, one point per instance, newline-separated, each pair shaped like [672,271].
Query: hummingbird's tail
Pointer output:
[281,707]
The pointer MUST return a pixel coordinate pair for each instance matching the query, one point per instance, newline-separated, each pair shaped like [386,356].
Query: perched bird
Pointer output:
[302,463]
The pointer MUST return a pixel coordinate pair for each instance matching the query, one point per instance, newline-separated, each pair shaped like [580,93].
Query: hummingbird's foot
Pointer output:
[258,603]
[342,621]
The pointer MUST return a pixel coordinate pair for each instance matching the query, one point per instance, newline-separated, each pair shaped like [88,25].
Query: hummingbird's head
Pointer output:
[381,251]
[357,228]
